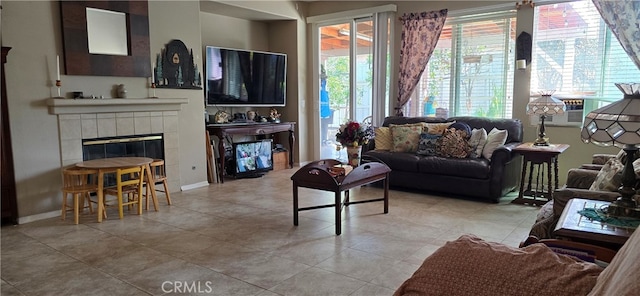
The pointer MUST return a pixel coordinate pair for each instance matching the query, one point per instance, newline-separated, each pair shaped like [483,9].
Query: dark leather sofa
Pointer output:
[471,177]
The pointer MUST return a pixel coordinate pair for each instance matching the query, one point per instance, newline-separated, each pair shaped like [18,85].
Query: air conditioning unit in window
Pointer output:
[573,115]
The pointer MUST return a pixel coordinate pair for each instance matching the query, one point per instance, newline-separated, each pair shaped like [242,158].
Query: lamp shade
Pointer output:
[546,105]
[617,123]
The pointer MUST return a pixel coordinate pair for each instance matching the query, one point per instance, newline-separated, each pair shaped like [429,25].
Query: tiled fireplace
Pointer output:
[88,119]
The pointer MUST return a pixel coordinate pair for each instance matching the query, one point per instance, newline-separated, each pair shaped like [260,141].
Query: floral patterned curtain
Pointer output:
[420,33]
[623,18]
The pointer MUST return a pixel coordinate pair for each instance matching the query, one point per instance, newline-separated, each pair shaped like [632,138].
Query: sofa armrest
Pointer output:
[504,153]
[591,166]
[581,178]
[557,245]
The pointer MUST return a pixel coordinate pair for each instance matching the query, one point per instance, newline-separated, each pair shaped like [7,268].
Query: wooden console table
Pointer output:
[221,130]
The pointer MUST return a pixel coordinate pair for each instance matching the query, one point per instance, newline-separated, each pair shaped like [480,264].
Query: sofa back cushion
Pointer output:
[407,120]
[513,126]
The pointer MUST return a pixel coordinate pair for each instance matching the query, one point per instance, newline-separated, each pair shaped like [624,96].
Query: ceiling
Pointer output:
[337,36]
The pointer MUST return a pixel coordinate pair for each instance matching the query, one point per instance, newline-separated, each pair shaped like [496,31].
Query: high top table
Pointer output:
[106,165]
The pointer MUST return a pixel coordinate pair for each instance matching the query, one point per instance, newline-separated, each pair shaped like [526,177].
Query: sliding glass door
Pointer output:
[345,78]
[346,62]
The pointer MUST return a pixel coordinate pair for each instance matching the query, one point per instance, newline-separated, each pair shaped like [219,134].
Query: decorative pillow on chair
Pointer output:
[383,138]
[406,137]
[609,177]
[495,139]
[427,144]
[477,141]
[453,144]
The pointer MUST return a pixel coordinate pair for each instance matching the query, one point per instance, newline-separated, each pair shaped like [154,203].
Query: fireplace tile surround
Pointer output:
[106,119]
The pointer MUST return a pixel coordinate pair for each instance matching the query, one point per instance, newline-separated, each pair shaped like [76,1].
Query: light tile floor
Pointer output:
[238,238]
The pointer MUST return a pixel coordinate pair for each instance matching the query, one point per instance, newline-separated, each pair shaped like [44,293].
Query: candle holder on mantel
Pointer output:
[153,87]
[58,85]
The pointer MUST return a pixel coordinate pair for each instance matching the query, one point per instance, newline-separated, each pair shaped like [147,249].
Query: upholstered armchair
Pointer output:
[578,182]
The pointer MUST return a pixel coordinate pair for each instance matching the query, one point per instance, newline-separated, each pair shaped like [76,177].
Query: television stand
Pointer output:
[254,175]
[221,130]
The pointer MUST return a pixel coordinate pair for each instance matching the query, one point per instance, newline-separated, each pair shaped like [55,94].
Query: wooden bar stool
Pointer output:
[79,183]
[158,175]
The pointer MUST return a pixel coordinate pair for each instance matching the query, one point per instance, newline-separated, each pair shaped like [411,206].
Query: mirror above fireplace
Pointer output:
[132,61]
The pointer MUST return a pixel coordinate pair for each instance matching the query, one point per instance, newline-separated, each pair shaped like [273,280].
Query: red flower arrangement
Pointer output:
[352,133]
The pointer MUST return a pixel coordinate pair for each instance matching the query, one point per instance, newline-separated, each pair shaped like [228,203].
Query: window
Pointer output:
[469,72]
[575,53]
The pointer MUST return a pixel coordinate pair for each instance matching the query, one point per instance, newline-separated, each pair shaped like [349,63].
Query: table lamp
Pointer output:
[618,124]
[543,106]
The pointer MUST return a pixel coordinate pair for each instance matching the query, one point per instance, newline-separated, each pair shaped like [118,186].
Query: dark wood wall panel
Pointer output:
[78,60]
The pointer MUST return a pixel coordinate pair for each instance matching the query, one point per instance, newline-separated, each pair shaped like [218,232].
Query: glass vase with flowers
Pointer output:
[353,135]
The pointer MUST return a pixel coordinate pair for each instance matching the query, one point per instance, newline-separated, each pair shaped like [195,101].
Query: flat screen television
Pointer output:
[253,158]
[236,77]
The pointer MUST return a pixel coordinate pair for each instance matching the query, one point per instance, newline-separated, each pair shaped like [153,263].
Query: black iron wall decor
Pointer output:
[175,68]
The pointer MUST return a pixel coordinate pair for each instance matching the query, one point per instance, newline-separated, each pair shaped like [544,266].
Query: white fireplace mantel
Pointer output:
[83,106]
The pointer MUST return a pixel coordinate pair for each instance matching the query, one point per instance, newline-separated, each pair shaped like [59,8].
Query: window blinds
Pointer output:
[575,53]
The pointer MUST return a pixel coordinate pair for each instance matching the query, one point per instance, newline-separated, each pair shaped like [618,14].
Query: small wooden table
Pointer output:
[576,227]
[540,156]
[317,175]
[105,165]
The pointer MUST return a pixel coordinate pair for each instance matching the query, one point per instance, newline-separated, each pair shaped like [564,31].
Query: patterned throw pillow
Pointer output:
[427,144]
[609,177]
[406,137]
[477,141]
[463,127]
[453,143]
[383,138]
[495,139]
[437,128]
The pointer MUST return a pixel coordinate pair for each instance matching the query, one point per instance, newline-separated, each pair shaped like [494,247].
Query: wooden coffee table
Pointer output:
[576,227]
[322,176]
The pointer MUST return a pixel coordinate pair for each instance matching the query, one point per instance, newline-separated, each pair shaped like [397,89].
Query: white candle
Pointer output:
[57,67]
[153,74]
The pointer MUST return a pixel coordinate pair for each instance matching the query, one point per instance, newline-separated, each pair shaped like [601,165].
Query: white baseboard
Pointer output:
[194,186]
[47,215]
[36,217]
